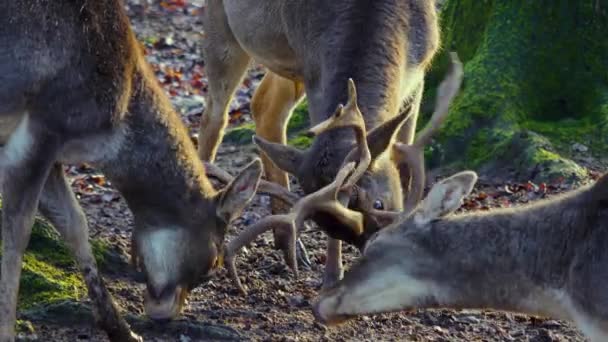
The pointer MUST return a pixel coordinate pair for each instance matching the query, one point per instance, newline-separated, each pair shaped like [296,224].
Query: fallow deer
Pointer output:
[546,258]
[314,46]
[75,87]
[330,199]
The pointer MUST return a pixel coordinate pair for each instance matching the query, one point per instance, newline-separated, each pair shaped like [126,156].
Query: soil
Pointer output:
[278,306]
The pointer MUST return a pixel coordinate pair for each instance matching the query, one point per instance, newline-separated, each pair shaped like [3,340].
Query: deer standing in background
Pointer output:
[75,87]
[546,258]
[314,46]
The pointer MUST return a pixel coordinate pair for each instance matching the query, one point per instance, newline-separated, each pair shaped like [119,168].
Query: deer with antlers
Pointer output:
[354,226]
[314,47]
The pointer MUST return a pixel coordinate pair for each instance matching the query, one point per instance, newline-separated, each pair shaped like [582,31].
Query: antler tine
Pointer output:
[413,155]
[352,95]
[281,221]
[265,187]
[323,199]
[350,116]
[217,172]
[445,95]
[326,199]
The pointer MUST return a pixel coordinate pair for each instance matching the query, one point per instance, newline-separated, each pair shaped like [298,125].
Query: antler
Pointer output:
[413,155]
[350,116]
[325,199]
[265,187]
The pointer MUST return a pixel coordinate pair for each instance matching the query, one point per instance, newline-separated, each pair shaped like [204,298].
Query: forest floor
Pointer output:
[278,307]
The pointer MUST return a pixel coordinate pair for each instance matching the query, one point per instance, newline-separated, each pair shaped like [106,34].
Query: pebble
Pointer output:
[469,319]
[576,147]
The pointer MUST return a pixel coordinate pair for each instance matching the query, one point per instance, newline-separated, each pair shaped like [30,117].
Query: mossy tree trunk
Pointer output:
[536,82]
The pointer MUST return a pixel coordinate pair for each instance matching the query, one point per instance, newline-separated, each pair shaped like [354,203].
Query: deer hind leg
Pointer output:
[59,206]
[26,160]
[272,105]
[225,63]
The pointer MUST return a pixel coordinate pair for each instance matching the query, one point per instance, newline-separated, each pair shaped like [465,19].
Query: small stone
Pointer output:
[551,324]
[469,319]
[184,338]
[297,301]
[576,147]
[440,330]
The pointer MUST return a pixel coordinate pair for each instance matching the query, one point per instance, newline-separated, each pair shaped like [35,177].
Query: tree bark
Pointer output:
[536,82]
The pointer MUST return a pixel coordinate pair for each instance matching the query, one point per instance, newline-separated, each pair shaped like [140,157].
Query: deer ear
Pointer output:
[285,157]
[236,195]
[381,137]
[445,197]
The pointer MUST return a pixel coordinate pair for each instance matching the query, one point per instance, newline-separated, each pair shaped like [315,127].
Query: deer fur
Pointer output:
[75,87]
[313,47]
[546,258]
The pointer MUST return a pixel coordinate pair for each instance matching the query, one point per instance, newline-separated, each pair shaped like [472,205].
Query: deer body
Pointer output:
[314,47]
[547,258]
[75,87]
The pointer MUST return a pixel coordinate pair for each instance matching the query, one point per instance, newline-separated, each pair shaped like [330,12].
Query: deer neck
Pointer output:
[157,169]
[368,44]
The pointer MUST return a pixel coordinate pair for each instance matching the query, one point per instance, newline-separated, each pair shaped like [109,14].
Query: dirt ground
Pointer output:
[278,307]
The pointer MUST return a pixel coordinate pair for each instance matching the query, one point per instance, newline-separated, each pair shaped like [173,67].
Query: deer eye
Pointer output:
[378,205]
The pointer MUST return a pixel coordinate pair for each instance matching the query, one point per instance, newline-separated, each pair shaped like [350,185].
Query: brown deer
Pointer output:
[546,258]
[353,226]
[314,46]
[75,87]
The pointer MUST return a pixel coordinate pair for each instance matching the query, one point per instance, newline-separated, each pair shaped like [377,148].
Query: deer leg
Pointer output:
[333,263]
[25,166]
[225,63]
[272,105]
[59,205]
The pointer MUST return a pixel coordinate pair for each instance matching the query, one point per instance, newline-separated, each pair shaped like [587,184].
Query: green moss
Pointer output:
[43,282]
[24,327]
[49,272]
[564,133]
[301,141]
[539,156]
[486,145]
[241,134]
[299,119]
[529,66]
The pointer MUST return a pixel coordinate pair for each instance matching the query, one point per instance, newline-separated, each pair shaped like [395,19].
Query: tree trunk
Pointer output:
[536,82]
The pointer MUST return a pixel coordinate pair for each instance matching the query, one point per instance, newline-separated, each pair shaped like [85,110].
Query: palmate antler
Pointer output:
[326,199]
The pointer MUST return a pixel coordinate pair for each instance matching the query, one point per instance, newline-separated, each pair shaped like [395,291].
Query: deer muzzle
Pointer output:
[325,310]
[164,305]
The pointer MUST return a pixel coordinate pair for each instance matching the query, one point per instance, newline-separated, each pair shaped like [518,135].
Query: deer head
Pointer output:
[369,287]
[176,259]
[374,193]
